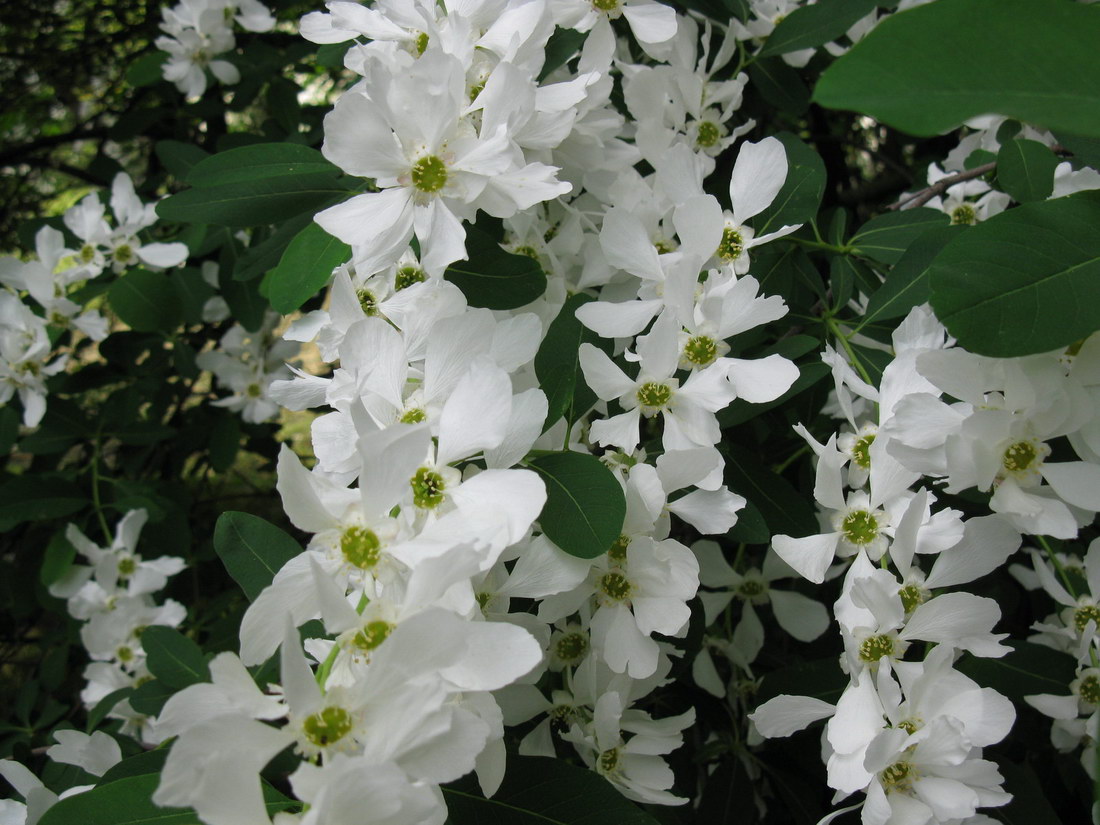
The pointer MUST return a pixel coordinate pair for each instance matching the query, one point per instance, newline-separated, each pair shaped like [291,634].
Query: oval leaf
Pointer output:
[1024,281]
[1025,170]
[493,278]
[252,550]
[811,26]
[557,364]
[886,237]
[258,161]
[147,301]
[305,268]
[538,790]
[928,69]
[173,658]
[255,202]
[585,505]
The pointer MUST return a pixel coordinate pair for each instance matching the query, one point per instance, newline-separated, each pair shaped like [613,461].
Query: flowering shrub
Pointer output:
[430,427]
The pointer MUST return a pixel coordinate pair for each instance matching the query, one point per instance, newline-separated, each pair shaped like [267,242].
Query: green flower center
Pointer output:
[561,716]
[732,245]
[427,486]
[361,547]
[859,527]
[429,174]
[407,276]
[663,247]
[367,301]
[254,391]
[1085,614]
[606,6]
[615,586]
[126,567]
[1019,457]
[910,726]
[608,761]
[861,451]
[1089,690]
[327,726]
[571,647]
[911,596]
[707,134]
[87,253]
[124,653]
[653,394]
[897,777]
[751,588]
[124,253]
[483,599]
[372,635]
[874,648]
[617,551]
[701,350]
[421,43]
[413,415]
[964,215]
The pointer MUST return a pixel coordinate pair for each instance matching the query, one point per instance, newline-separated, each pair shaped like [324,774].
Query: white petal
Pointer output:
[163,255]
[758,175]
[810,556]
[785,715]
[799,615]
[1075,482]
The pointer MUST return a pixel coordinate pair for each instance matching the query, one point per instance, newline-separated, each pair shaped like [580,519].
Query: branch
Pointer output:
[939,187]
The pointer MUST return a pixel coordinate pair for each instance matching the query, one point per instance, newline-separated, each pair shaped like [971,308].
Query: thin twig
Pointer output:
[942,185]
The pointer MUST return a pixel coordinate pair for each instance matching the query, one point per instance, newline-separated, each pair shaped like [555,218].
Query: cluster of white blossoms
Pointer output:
[422,506]
[247,364]
[114,596]
[909,733]
[27,355]
[196,32]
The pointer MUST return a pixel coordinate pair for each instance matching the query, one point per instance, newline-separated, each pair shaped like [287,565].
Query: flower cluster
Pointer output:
[114,596]
[424,529]
[197,32]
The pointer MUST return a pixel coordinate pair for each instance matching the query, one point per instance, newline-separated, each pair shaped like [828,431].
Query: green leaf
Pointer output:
[538,790]
[1086,150]
[784,509]
[173,658]
[928,69]
[246,304]
[225,441]
[585,505]
[38,498]
[179,157]
[192,293]
[147,69]
[886,237]
[139,764]
[129,801]
[252,550]
[820,678]
[750,527]
[811,26]
[1025,281]
[1025,170]
[265,255]
[779,85]
[906,285]
[1029,802]
[57,559]
[1028,669]
[260,161]
[106,705]
[557,364]
[282,104]
[800,196]
[305,268]
[147,301]
[563,46]
[494,278]
[149,697]
[253,202]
